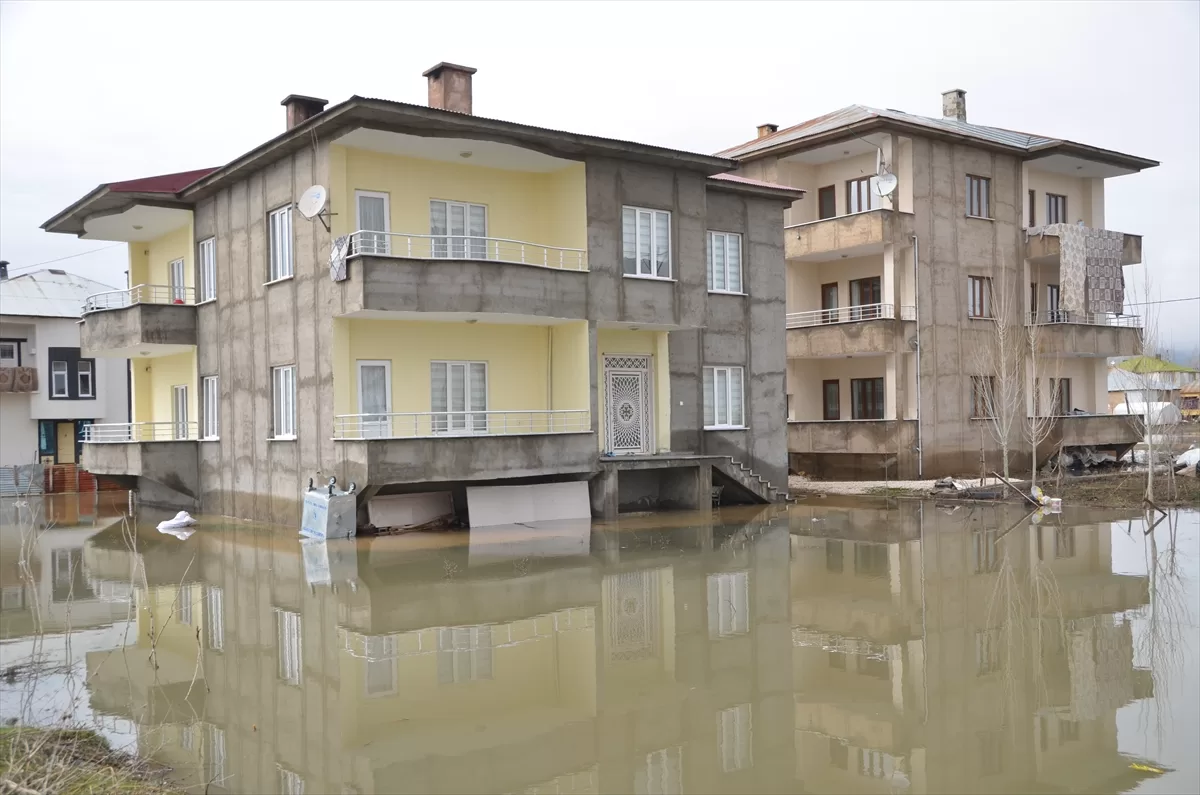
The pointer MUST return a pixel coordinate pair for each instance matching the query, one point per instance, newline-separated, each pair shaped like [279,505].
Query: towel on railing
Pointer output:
[1089,268]
[337,258]
[18,379]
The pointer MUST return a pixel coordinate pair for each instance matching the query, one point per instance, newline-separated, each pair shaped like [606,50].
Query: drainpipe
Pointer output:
[917,314]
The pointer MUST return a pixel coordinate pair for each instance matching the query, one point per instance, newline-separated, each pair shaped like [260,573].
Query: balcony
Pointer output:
[1115,431]
[125,432]
[146,320]
[847,331]
[1046,249]
[432,425]
[1087,334]
[426,273]
[18,380]
[162,455]
[853,235]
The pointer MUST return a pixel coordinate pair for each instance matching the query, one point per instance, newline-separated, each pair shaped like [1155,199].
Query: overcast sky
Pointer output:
[98,92]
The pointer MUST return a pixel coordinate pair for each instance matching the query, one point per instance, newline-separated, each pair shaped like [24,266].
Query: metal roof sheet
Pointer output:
[757,183]
[47,293]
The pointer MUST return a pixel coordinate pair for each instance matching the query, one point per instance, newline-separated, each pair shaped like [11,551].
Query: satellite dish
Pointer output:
[885,183]
[312,202]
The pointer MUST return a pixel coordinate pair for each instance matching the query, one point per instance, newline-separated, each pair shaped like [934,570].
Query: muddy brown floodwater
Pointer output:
[900,647]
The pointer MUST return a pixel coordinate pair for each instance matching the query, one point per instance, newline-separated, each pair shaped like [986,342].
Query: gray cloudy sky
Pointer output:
[98,92]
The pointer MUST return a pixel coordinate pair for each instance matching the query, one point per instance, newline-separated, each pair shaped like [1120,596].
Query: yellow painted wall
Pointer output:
[548,208]
[570,379]
[149,261]
[612,342]
[143,392]
[1078,190]
[163,610]
[805,377]
[153,378]
[814,177]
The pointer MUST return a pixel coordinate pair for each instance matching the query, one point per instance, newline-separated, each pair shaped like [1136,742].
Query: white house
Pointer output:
[48,390]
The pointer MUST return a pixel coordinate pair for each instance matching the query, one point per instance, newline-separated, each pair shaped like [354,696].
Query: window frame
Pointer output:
[877,393]
[652,246]
[66,380]
[829,192]
[441,423]
[91,375]
[380,246]
[855,190]
[729,376]
[206,270]
[1060,396]
[836,383]
[179,423]
[979,197]
[283,376]
[979,298]
[725,238]
[15,359]
[728,603]
[210,407]
[280,260]
[983,397]
[1056,207]
[1032,208]
[289,632]
[447,250]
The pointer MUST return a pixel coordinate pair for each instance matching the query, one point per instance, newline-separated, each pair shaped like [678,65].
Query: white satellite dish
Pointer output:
[312,202]
[885,183]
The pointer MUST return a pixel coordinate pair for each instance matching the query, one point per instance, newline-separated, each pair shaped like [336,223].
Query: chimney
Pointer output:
[954,104]
[3,270]
[766,129]
[301,108]
[450,87]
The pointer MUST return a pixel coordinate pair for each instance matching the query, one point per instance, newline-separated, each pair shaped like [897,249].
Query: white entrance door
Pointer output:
[178,283]
[179,411]
[627,404]
[374,397]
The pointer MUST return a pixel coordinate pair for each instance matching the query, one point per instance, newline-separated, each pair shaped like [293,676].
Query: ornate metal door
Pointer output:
[627,404]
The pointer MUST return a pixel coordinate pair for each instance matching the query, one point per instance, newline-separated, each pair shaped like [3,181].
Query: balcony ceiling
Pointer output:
[486,154]
[1077,167]
[487,318]
[137,223]
[828,154]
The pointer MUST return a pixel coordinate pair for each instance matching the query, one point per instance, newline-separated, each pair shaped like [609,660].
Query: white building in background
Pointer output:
[48,390]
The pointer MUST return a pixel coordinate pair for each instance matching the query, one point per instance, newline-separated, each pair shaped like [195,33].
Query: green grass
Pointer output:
[71,762]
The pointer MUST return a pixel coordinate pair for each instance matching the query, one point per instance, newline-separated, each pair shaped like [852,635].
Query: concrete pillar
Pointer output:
[603,491]
[891,147]
[889,387]
[889,283]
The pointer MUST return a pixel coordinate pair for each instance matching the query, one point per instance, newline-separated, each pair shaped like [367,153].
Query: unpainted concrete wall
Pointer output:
[140,324]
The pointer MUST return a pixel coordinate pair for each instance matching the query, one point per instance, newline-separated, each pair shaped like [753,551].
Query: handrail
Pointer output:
[126,432]
[1052,317]
[841,314]
[469,247]
[430,424]
[843,215]
[139,294]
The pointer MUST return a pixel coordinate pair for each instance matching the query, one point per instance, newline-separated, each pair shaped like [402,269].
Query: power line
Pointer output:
[69,256]
[1165,301]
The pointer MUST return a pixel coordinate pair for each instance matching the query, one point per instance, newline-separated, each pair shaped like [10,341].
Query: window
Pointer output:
[214,754]
[979,297]
[214,617]
[179,411]
[876,764]
[207,256]
[210,406]
[1056,209]
[1052,296]
[834,556]
[983,397]
[177,280]
[280,224]
[290,782]
[728,604]
[459,229]
[827,202]
[866,293]
[829,302]
[187,737]
[646,242]
[10,355]
[459,397]
[860,195]
[663,773]
[1060,396]
[1068,731]
[69,581]
[831,400]
[734,738]
[978,196]
[1032,209]
[723,397]
[871,560]
[183,605]
[283,391]
[464,654]
[84,377]
[288,640]
[984,545]
[724,262]
[380,678]
[987,651]
[373,216]
[59,380]
[866,398]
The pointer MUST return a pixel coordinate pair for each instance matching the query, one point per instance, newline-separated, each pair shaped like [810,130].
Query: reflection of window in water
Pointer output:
[187,737]
[873,763]
[837,660]
[987,651]
[214,617]
[633,607]
[183,607]
[290,782]
[464,654]
[381,665]
[68,581]
[871,560]
[662,774]
[728,604]
[582,782]
[984,545]
[991,752]
[214,754]
[1064,542]
[12,597]
[839,753]
[734,733]
[288,630]
[833,556]
[1068,731]
[873,666]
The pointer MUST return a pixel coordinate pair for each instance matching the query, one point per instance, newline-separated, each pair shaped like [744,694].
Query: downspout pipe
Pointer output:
[917,314]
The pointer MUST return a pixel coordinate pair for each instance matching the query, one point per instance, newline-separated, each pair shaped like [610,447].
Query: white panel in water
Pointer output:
[405,510]
[500,543]
[536,502]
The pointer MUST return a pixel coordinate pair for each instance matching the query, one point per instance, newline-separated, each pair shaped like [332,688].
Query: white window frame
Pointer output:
[289,640]
[214,617]
[9,361]
[728,604]
[206,256]
[210,407]
[283,402]
[442,245]
[91,378]
[985,298]
[725,241]
[179,411]
[184,605]
[475,418]
[650,272]
[214,754]
[381,651]
[279,244]
[290,782]
[735,737]
[379,244]
[375,426]
[55,372]
[730,422]
[177,280]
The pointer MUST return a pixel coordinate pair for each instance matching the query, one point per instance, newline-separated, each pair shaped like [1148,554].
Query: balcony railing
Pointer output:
[126,432]
[1056,316]
[848,314]
[432,424]
[141,294]
[493,249]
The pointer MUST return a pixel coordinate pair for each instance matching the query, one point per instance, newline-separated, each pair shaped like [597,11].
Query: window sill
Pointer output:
[979,217]
[210,438]
[981,317]
[725,428]
[213,300]
[727,292]
[648,278]
[280,279]
[281,438]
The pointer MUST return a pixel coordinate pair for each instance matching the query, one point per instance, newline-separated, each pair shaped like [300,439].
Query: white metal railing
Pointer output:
[427,424]
[494,249]
[141,294]
[841,314]
[124,432]
[1053,316]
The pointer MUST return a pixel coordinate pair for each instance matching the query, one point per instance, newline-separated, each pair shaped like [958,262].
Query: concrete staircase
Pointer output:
[751,481]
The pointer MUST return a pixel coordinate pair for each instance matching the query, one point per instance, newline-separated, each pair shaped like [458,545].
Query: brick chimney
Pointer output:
[766,129]
[450,87]
[301,108]
[954,104]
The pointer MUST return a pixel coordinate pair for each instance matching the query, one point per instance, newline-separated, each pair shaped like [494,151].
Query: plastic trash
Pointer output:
[1188,458]
[181,520]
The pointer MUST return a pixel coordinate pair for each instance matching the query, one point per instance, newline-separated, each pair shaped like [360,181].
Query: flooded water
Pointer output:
[901,648]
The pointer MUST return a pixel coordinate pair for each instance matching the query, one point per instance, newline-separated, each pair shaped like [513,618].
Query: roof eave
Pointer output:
[72,209]
[784,195]
[1106,156]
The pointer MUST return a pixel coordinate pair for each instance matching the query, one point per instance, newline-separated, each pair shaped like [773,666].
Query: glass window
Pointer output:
[831,400]
[283,380]
[723,398]
[459,230]
[646,242]
[1056,208]
[86,383]
[458,397]
[860,195]
[983,396]
[978,196]
[464,654]
[207,251]
[724,262]
[59,383]
[280,223]
[373,222]
[866,398]
[8,354]
[979,297]
[210,406]
[381,665]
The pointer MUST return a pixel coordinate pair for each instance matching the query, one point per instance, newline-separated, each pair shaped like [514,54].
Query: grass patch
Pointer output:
[1125,491]
[893,491]
[72,762]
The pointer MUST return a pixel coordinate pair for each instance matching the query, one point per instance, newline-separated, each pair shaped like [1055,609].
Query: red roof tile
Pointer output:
[164,183]
[758,183]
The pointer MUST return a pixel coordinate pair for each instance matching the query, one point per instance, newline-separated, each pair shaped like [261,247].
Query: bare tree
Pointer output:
[997,394]
[1042,369]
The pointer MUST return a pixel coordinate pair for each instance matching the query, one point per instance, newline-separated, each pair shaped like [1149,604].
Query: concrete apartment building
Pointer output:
[481,301]
[893,301]
[49,391]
